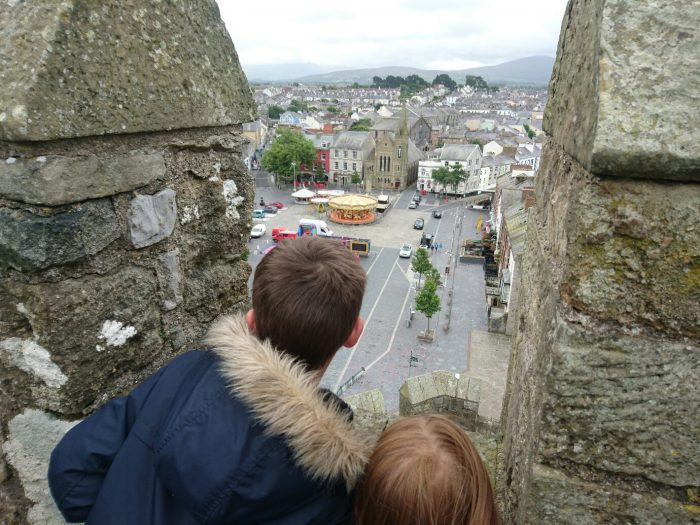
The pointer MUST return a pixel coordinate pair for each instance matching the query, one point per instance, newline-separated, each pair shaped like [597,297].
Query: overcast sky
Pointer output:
[430,34]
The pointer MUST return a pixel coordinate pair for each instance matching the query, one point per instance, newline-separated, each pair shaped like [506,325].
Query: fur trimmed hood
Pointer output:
[286,400]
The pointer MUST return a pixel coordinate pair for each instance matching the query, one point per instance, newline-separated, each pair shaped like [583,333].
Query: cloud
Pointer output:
[367,33]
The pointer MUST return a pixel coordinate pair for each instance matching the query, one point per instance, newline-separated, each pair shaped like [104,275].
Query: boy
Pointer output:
[239,433]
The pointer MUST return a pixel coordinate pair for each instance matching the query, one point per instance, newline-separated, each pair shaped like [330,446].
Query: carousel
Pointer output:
[352,209]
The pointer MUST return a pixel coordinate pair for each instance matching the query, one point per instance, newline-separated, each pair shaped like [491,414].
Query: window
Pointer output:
[336,153]
[345,165]
[447,163]
[335,165]
[354,166]
[345,154]
[399,152]
[323,156]
[354,154]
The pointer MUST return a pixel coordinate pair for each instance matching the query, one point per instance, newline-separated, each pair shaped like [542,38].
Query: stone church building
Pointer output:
[394,164]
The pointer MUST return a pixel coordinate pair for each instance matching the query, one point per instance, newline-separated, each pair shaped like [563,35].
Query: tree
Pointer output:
[427,301]
[274,112]
[297,105]
[377,81]
[320,175]
[356,179]
[289,147]
[530,132]
[332,109]
[478,142]
[361,125]
[420,263]
[442,176]
[445,80]
[476,82]
[457,175]
[377,106]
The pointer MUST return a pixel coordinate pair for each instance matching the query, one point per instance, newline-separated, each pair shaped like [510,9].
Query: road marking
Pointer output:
[354,348]
[393,334]
[375,260]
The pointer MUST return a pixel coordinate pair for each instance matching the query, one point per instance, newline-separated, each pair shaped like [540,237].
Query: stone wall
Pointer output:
[601,417]
[124,205]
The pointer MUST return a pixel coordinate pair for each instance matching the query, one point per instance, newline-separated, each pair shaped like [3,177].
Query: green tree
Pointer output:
[361,125]
[356,179]
[478,142]
[289,147]
[377,106]
[457,175]
[445,80]
[530,132]
[427,301]
[420,263]
[442,176]
[476,82]
[297,105]
[274,112]
[320,174]
[332,109]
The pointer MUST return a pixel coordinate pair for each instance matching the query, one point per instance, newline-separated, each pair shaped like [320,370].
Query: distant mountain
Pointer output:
[281,72]
[535,71]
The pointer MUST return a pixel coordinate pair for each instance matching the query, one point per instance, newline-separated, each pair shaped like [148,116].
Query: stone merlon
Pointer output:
[116,68]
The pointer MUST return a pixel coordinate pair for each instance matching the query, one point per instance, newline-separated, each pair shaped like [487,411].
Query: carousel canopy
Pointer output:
[303,194]
[319,200]
[352,201]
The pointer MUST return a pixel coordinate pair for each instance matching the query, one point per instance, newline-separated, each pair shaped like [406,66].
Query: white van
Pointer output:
[320,226]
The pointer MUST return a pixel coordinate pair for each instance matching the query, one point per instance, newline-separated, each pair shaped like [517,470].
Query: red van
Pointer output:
[279,233]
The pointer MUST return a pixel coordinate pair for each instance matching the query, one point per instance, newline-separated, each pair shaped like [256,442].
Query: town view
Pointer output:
[435,178]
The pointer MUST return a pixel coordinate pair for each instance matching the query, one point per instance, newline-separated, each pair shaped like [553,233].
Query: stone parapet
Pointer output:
[604,370]
[74,69]
[441,391]
[623,96]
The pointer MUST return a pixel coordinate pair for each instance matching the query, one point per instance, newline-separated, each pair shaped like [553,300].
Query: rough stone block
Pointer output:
[104,328]
[32,435]
[557,499]
[152,218]
[31,242]
[623,95]
[170,279]
[62,69]
[624,251]
[54,180]
[214,288]
[369,409]
[624,404]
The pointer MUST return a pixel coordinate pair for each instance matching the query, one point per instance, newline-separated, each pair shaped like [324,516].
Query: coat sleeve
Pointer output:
[81,459]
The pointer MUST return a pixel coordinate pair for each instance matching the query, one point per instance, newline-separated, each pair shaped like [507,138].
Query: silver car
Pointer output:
[406,250]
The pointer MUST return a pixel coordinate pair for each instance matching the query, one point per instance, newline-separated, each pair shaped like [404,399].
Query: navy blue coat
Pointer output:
[239,434]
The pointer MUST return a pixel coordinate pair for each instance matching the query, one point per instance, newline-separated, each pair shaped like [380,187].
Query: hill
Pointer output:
[534,71]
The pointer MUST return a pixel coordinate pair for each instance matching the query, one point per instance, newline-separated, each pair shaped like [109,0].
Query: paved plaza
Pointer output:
[387,344]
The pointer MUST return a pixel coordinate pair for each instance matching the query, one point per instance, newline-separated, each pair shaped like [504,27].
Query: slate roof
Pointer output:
[457,151]
[351,140]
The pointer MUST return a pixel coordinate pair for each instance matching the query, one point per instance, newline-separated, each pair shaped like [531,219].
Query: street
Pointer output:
[387,344]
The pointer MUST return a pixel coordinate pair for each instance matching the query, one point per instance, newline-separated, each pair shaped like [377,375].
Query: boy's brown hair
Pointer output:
[425,471]
[307,295]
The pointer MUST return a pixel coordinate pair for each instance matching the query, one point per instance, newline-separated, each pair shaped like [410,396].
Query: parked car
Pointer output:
[406,250]
[277,205]
[416,197]
[257,231]
[258,214]
[413,205]
[437,214]
[418,225]
[426,239]
[270,209]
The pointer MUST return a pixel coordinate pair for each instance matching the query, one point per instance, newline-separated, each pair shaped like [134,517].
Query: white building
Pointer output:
[466,155]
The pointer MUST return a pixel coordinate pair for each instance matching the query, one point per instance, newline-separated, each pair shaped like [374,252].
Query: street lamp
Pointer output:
[294,173]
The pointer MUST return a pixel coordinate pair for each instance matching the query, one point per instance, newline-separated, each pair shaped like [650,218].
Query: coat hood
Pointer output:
[284,397]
